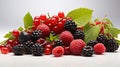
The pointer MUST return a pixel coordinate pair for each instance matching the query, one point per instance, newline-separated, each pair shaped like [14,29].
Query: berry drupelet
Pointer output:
[36,35]
[70,26]
[87,51]
[78,34]
[28,47]
[92,43]
[37,49]
[18,49]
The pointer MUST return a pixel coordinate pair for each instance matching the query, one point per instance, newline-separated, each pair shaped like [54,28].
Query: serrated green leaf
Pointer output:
[51,37]
[87,27]
[28,20]
[107,20]
[20,29]
[3,42]
[81,16]
[8,35]
[114,31]
[92,33]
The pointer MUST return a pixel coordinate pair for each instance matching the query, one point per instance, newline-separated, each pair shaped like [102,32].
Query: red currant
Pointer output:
[55,16]
[47,51]
[53,21]
[10,42]
[36,22]
[43,17]
[61,14]
[4,50]
[15,43]
[55,29]
[102,30]
[15,33]
[1,46]
[36,17]
[63,20]
[48,46]
[98,22]
[67,51]
[41,40]
[9,47]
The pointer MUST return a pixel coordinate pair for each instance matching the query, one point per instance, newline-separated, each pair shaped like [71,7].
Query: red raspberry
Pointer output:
[66,37]
[44,28]
[99,48]
[58,51]
[76,46]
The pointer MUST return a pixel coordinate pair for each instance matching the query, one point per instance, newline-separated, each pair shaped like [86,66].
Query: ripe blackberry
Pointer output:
[28,47]
[18,49]
[36,35]
[70,26]
[58,43]
[37,49]
[87,51]
[92,43]
[78,34]
[112,45]
[102,39]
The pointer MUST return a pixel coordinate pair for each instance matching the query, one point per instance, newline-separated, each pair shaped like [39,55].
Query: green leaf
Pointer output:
[92,33]
[3,42]
[118,41]
[20,29]
[87,27]
[28,20]
[8,35]
[51,37]
[81,16]
[114,31]
[107,20]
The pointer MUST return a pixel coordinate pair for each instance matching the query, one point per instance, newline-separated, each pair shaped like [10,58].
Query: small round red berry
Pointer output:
[49,46]
[9,47]
[15,33]
[4,50]
[41,40]
[98,22]
[53,21]
[15,43]
[55,16]
[36,22]
[1,46]
[63,20]
[47,51]
[61,14]
[10,42]
[37,17]
[43,17]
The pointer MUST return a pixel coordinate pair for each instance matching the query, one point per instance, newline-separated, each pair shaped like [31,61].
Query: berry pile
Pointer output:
[58,35]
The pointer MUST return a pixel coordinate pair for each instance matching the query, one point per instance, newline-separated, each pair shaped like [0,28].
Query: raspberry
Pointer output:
[18,49]
[66,37]
[28,47]
[78,34]
[87,51]
[36,35]
[45,29]
[112,45]
[99,48]
[70,26]
[76,46]
[58,51]
[92,43]
[37,49]
[58,43]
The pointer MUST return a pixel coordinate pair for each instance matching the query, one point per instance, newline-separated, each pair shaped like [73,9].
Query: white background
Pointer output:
[11,17]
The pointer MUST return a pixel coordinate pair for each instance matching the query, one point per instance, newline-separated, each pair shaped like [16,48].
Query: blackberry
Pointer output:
[87,51]
[102,39]
[58,43]
[70,26]
[36,35]
[28,47]
[78,34]
[18,49]
[112,45]
[24,37]
[92,43]
[37,49]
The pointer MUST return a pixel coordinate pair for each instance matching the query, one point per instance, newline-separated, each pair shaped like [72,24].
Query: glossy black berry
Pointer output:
[70,26]
[102,39]
[18,49]
[23,37]
[58,43]
[111,45]
[79,34]
[37,49]
[87,51]
[36,35]
[92,43]
[28,47]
